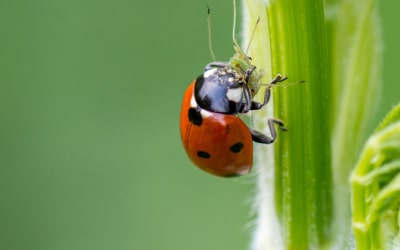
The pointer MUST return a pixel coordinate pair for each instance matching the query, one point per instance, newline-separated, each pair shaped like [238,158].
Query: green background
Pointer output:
[90,154]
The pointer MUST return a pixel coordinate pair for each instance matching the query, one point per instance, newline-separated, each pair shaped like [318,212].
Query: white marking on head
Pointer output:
[235,95]
[209,72]
[204,113]
[193,102]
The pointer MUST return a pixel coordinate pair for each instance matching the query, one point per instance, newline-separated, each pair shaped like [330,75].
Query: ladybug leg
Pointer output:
[248,102]
[261,138]
[248,73]
[246,91]
[215,65]
[267,95]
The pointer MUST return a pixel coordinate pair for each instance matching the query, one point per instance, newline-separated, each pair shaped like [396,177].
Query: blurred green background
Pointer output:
[91,158]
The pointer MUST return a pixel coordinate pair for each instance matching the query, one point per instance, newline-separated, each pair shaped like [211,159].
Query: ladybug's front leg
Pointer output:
[267,95]
[261,138]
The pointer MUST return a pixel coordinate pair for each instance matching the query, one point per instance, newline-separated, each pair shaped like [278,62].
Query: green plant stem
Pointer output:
[298,49]
[303,163]
[328,114]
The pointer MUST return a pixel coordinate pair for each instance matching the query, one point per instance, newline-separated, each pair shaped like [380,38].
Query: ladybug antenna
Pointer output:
[209,33]
[235,42]
[252,35]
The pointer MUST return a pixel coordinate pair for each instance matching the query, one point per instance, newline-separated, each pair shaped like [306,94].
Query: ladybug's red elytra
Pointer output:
[217,143]
[214,137]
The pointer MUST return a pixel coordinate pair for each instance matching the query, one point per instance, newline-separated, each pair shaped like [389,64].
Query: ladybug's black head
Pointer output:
[219,90]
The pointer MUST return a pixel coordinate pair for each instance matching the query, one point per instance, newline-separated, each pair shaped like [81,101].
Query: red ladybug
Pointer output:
[215,139]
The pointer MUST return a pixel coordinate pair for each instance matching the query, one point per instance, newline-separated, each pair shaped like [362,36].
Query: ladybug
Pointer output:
[214,137]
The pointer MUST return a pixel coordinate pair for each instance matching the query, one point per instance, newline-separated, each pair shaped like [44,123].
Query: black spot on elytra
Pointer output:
[195,116]
[237,147]
[203,154]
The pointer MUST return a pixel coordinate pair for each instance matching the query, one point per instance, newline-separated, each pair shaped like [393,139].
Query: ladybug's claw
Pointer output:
[278,78]
[277,121]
